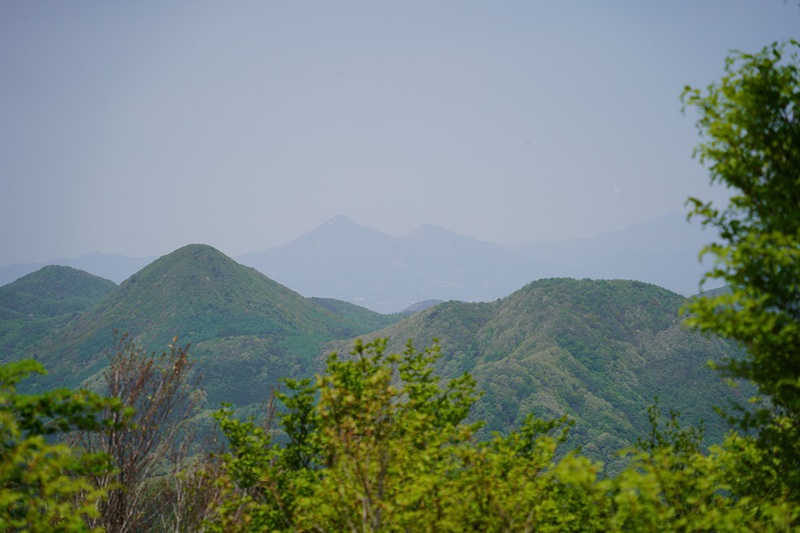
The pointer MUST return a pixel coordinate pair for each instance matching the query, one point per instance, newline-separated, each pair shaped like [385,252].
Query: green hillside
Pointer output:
[35,305]
[245,329]
[359,317]
[599,351]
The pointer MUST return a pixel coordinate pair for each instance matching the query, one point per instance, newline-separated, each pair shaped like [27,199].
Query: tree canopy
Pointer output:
[45,485]
[750,123]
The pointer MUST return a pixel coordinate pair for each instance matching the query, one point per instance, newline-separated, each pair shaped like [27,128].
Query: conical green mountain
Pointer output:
[599,351]
[245,329]
[34,305]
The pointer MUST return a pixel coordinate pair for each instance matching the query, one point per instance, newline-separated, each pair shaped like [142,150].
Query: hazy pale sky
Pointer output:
[138,127]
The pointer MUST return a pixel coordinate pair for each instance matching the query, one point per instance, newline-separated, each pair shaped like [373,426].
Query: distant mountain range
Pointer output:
[599,351]
[349,262]
[663,251]
[343,260]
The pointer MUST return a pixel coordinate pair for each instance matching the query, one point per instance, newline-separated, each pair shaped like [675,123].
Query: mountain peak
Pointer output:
[186,269]
[338,231]
[195,249]
[340,220]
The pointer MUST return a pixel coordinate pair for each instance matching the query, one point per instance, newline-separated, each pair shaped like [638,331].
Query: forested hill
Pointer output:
[600,351]
[247,329]
[36,304]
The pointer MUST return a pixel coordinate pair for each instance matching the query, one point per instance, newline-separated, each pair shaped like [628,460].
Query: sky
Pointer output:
[138,127]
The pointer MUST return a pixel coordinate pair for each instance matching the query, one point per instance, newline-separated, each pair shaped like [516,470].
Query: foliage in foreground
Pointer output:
[750,121]
[145,439]
[378,444]
[46,486]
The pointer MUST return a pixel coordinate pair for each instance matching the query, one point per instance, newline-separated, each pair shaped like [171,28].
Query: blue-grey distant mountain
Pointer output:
[343,260]
[115,267]
[349,262]
[663,251]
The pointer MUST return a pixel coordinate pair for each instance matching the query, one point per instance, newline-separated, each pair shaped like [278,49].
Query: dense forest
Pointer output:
[487,432]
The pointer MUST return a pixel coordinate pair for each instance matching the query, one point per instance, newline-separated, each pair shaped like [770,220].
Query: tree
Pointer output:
[672,484]
[377,443]
[750,124]
[388,433]
[369,445]
[46,485]
[158,398]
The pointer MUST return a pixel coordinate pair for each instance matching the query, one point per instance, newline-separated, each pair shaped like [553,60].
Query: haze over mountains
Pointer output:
[343,260]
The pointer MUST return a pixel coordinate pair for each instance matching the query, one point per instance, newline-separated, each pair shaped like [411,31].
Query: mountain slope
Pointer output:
[359,317]
[209,300]
[600,351]
[36,304]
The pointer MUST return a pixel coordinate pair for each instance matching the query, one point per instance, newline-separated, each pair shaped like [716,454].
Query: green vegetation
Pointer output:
[360,317]
[358,456]
[46,486]
[597,351]
[386,447]
[380,442]
[202,296]
[750,120]
[377,443]
[37,304]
